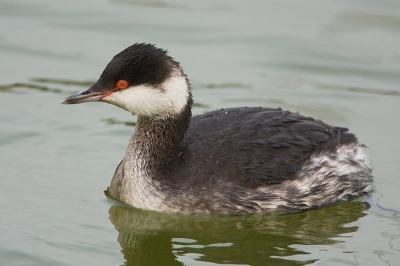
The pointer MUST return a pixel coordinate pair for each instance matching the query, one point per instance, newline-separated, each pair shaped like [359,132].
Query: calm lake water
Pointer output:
[338,61]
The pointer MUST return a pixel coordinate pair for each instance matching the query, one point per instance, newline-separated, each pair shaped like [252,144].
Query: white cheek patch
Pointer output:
[176,91]
[169,98]
[141,100]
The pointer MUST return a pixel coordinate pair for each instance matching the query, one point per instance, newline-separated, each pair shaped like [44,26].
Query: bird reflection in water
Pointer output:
[154,238]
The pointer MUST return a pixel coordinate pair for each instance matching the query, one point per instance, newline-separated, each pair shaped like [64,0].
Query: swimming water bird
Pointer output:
[235,160]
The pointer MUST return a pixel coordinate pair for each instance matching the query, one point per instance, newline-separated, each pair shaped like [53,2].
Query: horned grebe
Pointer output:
[236,160]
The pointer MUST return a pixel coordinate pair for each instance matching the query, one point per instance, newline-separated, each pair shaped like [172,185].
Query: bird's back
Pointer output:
[251,147]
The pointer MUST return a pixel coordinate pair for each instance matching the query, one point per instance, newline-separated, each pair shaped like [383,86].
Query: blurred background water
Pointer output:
[338,61]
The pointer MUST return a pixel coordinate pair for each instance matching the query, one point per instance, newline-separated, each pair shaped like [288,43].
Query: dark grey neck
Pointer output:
[156,142]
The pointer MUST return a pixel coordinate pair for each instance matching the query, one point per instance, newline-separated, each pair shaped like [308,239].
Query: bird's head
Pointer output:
[141,79]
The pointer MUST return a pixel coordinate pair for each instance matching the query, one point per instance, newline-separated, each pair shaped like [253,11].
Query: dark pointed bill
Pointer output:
[83,97]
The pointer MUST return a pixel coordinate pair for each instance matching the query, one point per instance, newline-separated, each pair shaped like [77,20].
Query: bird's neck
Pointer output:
[156,142]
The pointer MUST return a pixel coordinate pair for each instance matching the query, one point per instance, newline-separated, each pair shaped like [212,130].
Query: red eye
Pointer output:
[122,84]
